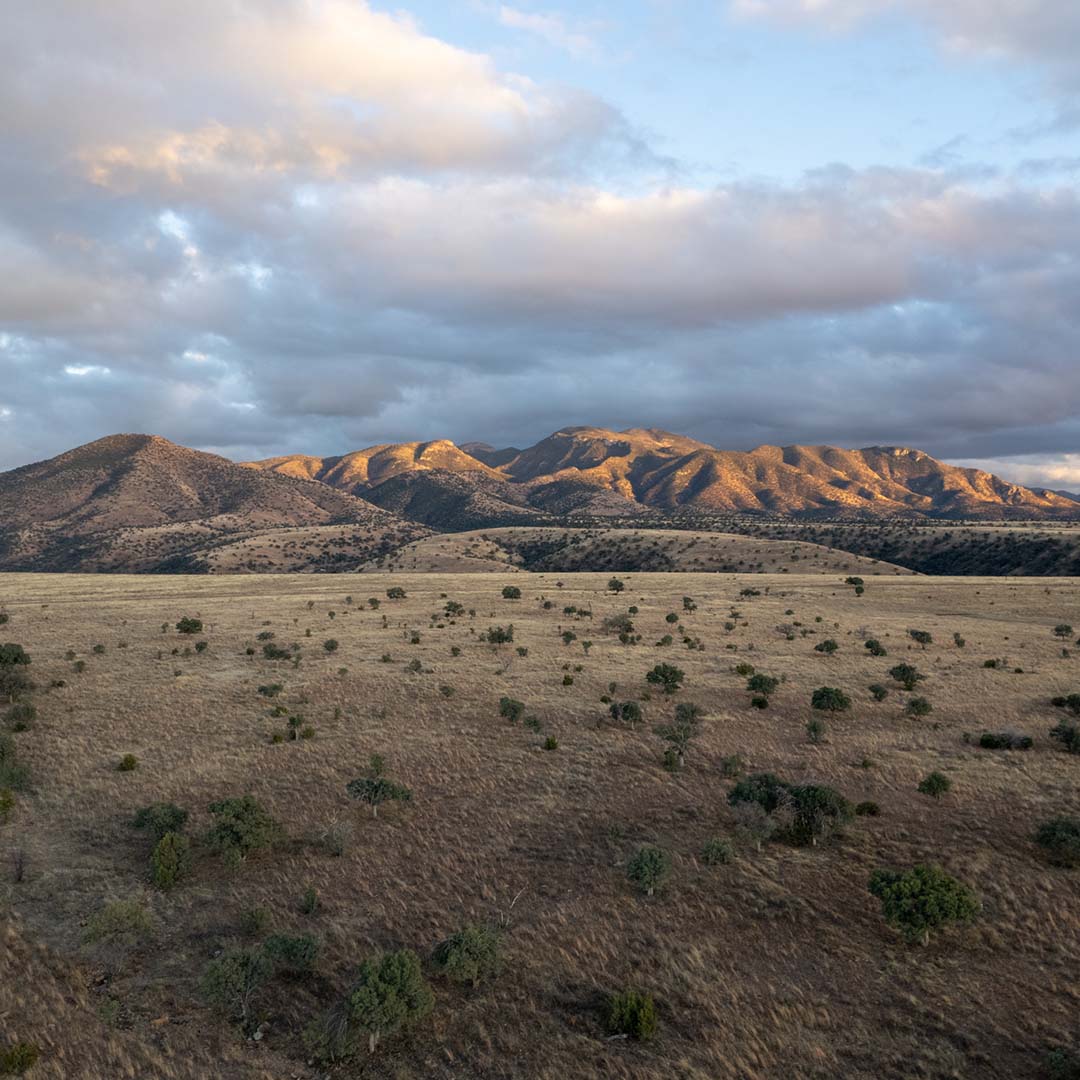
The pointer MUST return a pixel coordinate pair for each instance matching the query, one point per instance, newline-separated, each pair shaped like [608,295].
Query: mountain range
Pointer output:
[141,503]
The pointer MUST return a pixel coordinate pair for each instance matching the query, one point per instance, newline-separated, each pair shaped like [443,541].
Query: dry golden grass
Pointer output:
[778,965]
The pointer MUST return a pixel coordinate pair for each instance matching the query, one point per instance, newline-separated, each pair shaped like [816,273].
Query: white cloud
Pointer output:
[551,27]
[80,371]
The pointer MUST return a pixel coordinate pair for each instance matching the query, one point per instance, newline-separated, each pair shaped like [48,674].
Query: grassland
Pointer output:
[778,964]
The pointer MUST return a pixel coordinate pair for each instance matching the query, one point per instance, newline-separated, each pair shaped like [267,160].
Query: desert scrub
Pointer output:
[1060,839]
[648,869]
[170,860]
[469,956]
[632,1014]
[240,827]
[157,819]
[922,899]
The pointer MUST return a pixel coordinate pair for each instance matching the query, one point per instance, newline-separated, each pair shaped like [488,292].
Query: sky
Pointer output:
[272,226]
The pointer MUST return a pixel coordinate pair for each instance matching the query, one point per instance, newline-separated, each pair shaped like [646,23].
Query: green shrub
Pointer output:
[918,706]
[120,923]
[170,860]
[500,635]
[682,731]
[511,592]
[1005,740]
[551,743]
[14,775]
[765,789]
[629,712]
[330,645]
[815,730]
[241,826]
[875,648]
[469,956]
[935,785]
[189,626]
[128,763]
[375,789]
[632,1014]
[160,818]
[717,852]
[1066,734]
[667,676]
[921,637]
[828,647]
[21,716]
[615,585]
[649,868]
[17,1058]
[907,675]
[1060,837]
[830,699]
[1068,701]
[389,992]
[867,809]
[878,692]
[921,899]
[254,921]
[395,592]
[231,982]
[293,954]
[762,684]
[7,805]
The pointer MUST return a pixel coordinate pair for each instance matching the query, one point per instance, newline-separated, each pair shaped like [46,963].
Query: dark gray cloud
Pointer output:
[271,226]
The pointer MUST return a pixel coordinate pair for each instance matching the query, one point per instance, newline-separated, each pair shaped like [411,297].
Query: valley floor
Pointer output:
[777,964]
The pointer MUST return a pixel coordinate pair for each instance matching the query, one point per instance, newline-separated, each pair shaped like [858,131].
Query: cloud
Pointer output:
[549,26]
[285,225]
[1043,32]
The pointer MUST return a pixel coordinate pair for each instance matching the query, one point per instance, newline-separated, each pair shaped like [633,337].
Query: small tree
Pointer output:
[918,706]
[511,709]
[389,992]
[667,676]
[907,675]
[830,699]
[935,785]
[170,860]
[1060,838]
[629,712]
[395,592]
[632,1014]
[875,648]
[615,585]
[330,645]
[649,868]
[160,818]
[762,684]
[375,789]
[232,981]
[511,592]
[241,826]
[922,638]
[828,647]
[1063,630]
[682,731]
[469,956]
[189,626]
[921,899]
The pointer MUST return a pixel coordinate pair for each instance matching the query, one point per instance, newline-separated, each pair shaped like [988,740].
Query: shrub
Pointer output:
[629,712]
[293,954]
[469,956]
[330,645]
[717,852]
[170,860]
[906,675]
[921,637]
[632,1014]
[128,763]
[241,826]
[122,923]
[18,1058]
[1005,740]
[762,684]
[160,818]
[1060,837]
[867,809]
[230,983]
[21,716]
[511,709]
[275,652]
[815,730]
[1062,1065]
[921,899]
[830,699]
[1069,701]
[375,789]
[395,592]
[878,692]
[1063,630]
[667,676]
[500,635]
[551,743]
[854,581]
[615,585]
[7,805]
[189,626]
[13,774]
[875,648]
[828,647]
[389,992]
[935,785]
[254,921]
[511,592]
[918,706]
[649,868]
[1066,734]
[765,789]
